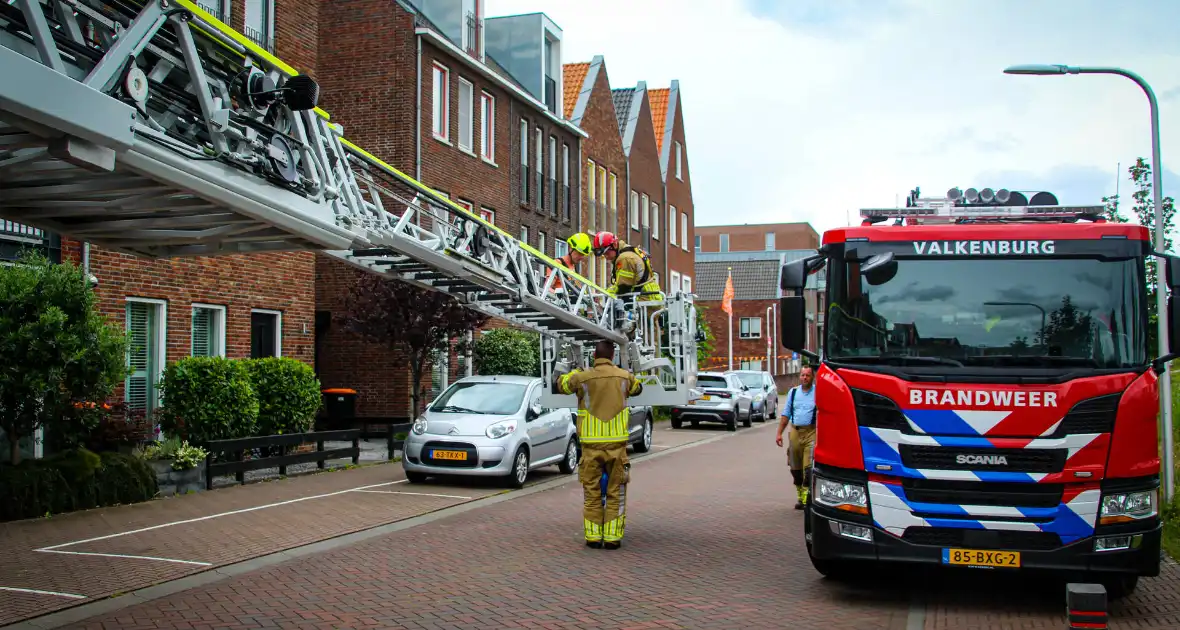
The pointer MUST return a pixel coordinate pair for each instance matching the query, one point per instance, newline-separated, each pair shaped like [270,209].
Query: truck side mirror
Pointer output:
[879,268]
[793,324]
[1172,271]
[794,276]
[1172,352]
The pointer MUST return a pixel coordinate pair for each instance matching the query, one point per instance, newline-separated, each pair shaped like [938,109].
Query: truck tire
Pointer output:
[1119,586]
[838,570]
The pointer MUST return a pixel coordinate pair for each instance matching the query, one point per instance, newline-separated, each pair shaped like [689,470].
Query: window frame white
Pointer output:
[655,220]
[560,248]
[752,328]
[487,113]
[697,242]
[466,127]
[487,214]
[675,284]
[541,238]
[161,307]
[679,161]
[723,243]
[686,280]
[644,210]
[278,327]
[219,328]
[672,234]
[768,241]
[441,104]
[524,234]
[634,210]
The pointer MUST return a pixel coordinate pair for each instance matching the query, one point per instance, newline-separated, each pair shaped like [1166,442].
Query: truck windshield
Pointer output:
[1042,312]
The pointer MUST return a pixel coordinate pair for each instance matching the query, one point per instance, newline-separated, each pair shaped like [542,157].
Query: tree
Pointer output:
[1070,329]
[418,322]
[508,351]
[704,347]
[64,357]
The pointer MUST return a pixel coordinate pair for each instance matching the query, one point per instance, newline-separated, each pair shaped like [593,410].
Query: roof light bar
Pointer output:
[946,211]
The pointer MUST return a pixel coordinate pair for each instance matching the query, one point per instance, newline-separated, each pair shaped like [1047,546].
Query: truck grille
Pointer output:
[981,539]
[1094,415]
[1031,495]
[1017,460]
[878,412]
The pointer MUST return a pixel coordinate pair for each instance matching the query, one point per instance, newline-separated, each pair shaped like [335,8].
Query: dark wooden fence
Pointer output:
[219,451]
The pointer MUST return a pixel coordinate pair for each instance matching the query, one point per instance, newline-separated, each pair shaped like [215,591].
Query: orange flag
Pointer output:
[727,297]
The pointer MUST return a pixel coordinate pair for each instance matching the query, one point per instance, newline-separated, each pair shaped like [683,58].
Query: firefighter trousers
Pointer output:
[604,523]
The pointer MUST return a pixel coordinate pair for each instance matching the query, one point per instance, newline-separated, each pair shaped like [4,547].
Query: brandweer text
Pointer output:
[982,398]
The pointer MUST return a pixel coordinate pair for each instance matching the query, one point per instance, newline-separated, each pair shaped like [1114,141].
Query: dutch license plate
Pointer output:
[458,456]
[981,558]
[706,397]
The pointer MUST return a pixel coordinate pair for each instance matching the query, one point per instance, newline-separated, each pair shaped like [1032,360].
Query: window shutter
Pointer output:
[140,324]
[202,333]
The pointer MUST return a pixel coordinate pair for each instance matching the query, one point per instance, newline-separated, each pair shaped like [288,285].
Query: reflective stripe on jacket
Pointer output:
[603,415]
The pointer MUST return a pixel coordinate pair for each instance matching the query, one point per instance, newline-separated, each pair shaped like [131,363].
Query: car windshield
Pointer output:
[712,381]
[480,397]
[992,312]
[753,380]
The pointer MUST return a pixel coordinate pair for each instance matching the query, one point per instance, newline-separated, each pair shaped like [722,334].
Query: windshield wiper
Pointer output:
[901,359]
[458,409]
[1034,359]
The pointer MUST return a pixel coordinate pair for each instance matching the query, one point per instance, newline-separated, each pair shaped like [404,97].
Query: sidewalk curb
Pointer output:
[215,574]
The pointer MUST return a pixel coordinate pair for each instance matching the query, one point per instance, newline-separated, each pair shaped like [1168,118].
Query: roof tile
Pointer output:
[752,280]
[623,98]
[659,113]
[574,75]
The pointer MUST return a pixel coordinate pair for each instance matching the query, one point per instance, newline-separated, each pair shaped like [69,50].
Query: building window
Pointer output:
[553,175]
[259,22]
[541,242]
[672,224]
[592,194]
[487,214]
[698,242]
[754,366]
[645,218]
[266,333]
[524,234]
[679,158]
[565,182]
[724,243]
[674,287]
[147,335]
[614,202]
[487,134]
[442,109]
[208,331]
[466,114]
[687,284]
[540,164]
[602,199]
[524,161]
[560,248]
[634,211]
[684,233]
[770,241]
[655,220]
[751,328]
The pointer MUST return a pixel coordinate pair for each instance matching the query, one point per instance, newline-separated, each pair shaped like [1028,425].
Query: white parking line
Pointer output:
[119,555]
[213,516]
[33,591]
[417,494]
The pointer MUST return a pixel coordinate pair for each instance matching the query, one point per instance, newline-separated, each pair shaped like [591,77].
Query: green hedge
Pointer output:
[208,398]
[73,480]
[503,351]
[288,395]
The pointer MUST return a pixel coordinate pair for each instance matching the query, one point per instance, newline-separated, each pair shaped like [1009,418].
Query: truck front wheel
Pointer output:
[1119,586]
[839,570]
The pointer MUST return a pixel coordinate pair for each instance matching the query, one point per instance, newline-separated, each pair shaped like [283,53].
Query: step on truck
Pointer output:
[985,395]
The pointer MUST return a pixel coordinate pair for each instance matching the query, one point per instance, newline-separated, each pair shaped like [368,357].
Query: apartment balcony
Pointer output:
[212,7]
[551,94]
[470,32]
[262,39]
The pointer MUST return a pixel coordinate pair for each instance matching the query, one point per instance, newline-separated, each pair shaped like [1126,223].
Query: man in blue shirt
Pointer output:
[799,413]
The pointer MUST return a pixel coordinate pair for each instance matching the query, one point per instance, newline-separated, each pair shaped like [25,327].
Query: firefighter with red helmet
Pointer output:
[632,267]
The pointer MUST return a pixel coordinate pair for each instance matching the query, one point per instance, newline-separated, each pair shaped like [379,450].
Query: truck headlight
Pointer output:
[1126,507]
[500,429]
[419,426]
[850,497]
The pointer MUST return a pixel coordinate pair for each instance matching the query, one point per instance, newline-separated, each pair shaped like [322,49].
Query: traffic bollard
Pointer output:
[1085,605]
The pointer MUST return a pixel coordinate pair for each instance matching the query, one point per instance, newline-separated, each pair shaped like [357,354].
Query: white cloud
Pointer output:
[810,115]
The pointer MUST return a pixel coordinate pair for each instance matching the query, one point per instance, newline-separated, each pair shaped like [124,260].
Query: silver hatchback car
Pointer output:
[490,426]
[765,391]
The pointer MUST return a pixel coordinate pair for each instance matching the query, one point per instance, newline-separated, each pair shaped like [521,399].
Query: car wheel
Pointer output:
[749,418]
[570,463]
[676,423]
[520,469]
[731,423]
[644,443]
[415,477]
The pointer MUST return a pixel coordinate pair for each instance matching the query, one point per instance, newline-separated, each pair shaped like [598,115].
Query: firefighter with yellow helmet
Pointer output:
[580,249]
[603,424]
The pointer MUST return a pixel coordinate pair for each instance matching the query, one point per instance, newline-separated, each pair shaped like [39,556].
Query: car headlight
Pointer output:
[1126,507]
[419,426]
[500,429]
[850,497]
[759,398]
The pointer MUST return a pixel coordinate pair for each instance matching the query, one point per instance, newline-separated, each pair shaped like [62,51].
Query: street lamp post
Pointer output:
[1161,286]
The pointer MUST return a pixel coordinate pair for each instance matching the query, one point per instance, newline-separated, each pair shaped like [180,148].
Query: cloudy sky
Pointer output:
[807,110]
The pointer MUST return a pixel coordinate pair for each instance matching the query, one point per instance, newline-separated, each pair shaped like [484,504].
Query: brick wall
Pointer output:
[682,255]
[647,177]
[531,211]
[605,148]
[752,238]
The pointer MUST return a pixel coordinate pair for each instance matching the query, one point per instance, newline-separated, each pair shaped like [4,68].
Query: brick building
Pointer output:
[668,122]
[486,129]
[590,105]
[644,182]
[755,237]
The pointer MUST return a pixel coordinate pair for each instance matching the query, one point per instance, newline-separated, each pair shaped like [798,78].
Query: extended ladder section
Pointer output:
[151,128]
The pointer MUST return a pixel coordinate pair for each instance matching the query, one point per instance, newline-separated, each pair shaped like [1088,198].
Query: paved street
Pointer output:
[712,542]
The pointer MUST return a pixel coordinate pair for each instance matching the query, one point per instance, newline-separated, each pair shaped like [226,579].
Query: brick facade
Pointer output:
[681,255]
[752,238]
[646,179]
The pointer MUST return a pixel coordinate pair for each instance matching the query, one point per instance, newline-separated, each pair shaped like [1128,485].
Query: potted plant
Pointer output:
[179,466]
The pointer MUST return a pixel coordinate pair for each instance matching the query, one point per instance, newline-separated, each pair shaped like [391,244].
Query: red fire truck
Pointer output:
[984,392]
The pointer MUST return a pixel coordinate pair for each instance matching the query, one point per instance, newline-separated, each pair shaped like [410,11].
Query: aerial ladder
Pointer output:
[151,128]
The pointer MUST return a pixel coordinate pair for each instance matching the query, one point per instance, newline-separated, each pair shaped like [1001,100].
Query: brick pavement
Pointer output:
[208,543]
[712,542]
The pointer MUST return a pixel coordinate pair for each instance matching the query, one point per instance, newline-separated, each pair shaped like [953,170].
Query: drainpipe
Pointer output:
[667,239]
[86,262]
[418,116]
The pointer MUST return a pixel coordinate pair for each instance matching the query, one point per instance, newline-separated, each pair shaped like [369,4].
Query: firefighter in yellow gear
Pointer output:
[632,268]
[580,248]
[603,430]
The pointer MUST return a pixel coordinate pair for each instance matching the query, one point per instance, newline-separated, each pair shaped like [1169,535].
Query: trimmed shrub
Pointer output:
[504,351]
[31,490]
[124,479]
[208,398]
[288,395]
[73,480]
